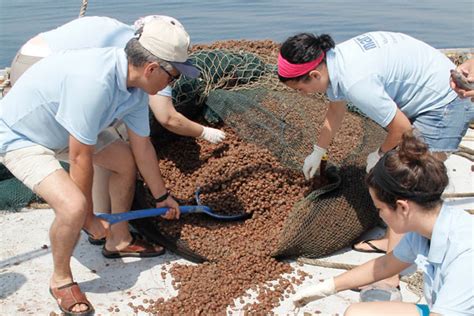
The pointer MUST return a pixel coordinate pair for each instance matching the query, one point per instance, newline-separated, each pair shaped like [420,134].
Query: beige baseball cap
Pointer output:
[167,39]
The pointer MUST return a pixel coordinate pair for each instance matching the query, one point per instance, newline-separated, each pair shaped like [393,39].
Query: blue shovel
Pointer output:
[150,212]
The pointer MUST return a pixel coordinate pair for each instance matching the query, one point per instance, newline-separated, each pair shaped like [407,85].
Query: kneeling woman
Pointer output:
[406,186]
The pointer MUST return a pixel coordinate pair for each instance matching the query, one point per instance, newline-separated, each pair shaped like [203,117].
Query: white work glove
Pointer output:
[312,162]
[314,292]
[372,159]
[212,135]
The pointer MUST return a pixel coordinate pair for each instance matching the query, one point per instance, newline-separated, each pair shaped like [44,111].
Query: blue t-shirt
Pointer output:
[75,92]
[89,32]
[92,32]
[380,71]
[447,261]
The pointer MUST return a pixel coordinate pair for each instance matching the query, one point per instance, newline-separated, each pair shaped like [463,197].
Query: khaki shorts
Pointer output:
[33,164]
[20,64]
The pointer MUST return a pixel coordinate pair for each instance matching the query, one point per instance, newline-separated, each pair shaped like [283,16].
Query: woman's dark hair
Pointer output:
[303,48]
[415,170]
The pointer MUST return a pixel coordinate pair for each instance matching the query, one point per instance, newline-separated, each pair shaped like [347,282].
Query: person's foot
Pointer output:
[96,230]
[371,245]
[93,240]
[135,248]
[70,299]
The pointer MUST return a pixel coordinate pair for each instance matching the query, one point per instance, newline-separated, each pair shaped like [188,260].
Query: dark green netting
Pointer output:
[14,195]
[264,112]
[242,90]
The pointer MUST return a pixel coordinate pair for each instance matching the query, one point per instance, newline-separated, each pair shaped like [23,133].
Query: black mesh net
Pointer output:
[285,124]
[240,90]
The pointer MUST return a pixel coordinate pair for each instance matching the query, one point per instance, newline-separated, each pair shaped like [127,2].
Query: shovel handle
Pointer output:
[150,212]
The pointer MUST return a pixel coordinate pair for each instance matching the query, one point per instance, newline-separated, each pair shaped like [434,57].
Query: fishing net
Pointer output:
[14,195]
[241,89]
[332,217]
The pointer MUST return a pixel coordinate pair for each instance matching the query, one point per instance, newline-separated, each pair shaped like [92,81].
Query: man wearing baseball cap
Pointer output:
[167,39]
[101,32]
[60,108]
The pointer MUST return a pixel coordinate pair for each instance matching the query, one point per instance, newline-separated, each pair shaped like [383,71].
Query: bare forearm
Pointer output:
[399,125]
[166,114]
[147,163]
[391,141]
[369,272]
[181,125]
[81,172]
[332,123]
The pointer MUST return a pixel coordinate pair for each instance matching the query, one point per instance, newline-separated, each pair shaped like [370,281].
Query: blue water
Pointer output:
[441,23]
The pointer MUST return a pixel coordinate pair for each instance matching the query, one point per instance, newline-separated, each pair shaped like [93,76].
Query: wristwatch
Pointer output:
[163,197]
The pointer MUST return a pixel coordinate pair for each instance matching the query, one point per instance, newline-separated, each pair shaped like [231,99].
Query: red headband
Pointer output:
[289,70]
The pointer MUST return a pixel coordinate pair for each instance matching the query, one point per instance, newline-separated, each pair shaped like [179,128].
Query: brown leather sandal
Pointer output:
[68,296]
[137,248]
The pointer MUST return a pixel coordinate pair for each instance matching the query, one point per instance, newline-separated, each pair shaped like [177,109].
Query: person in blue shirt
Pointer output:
[97,32]
[406,186]
[62,105]
[394,79]
[100,31]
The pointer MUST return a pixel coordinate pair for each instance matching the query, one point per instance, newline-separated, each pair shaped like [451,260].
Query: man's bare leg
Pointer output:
[69,205]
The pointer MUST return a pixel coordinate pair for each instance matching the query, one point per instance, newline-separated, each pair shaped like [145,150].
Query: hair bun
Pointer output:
[412,149]
[325,42]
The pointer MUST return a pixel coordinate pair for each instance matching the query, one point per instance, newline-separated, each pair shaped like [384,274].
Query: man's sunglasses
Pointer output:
[171,78]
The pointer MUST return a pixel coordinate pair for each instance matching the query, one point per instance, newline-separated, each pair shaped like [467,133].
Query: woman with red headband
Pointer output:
[406,187]
[394,79]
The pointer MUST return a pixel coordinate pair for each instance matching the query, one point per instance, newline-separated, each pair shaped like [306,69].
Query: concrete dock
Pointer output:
[111,284]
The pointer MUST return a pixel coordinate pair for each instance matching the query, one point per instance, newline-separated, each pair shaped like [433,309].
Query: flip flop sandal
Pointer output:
[137,248]
[94,241]
[371,245]
[69,295]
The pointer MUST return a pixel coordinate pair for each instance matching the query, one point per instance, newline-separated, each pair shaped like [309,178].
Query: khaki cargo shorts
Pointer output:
[33,164]
[20,64]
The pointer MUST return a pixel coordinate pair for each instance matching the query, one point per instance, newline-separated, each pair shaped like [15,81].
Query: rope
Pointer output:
[457,195]
[465,155]
[414,282]
[83,8]
[327,264]
[39,206]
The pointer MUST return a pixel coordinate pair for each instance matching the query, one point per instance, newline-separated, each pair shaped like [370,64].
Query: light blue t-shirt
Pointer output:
[92,32]
[76,92]
[380,71]
[89,32]
[447,261]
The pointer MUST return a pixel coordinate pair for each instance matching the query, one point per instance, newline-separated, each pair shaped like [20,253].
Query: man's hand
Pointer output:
[467,70]
[173,211]
[372,159]
[312,162]
[212,135]
[314,292]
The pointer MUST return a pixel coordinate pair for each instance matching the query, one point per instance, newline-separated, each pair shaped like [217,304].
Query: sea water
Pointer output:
[440,23]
